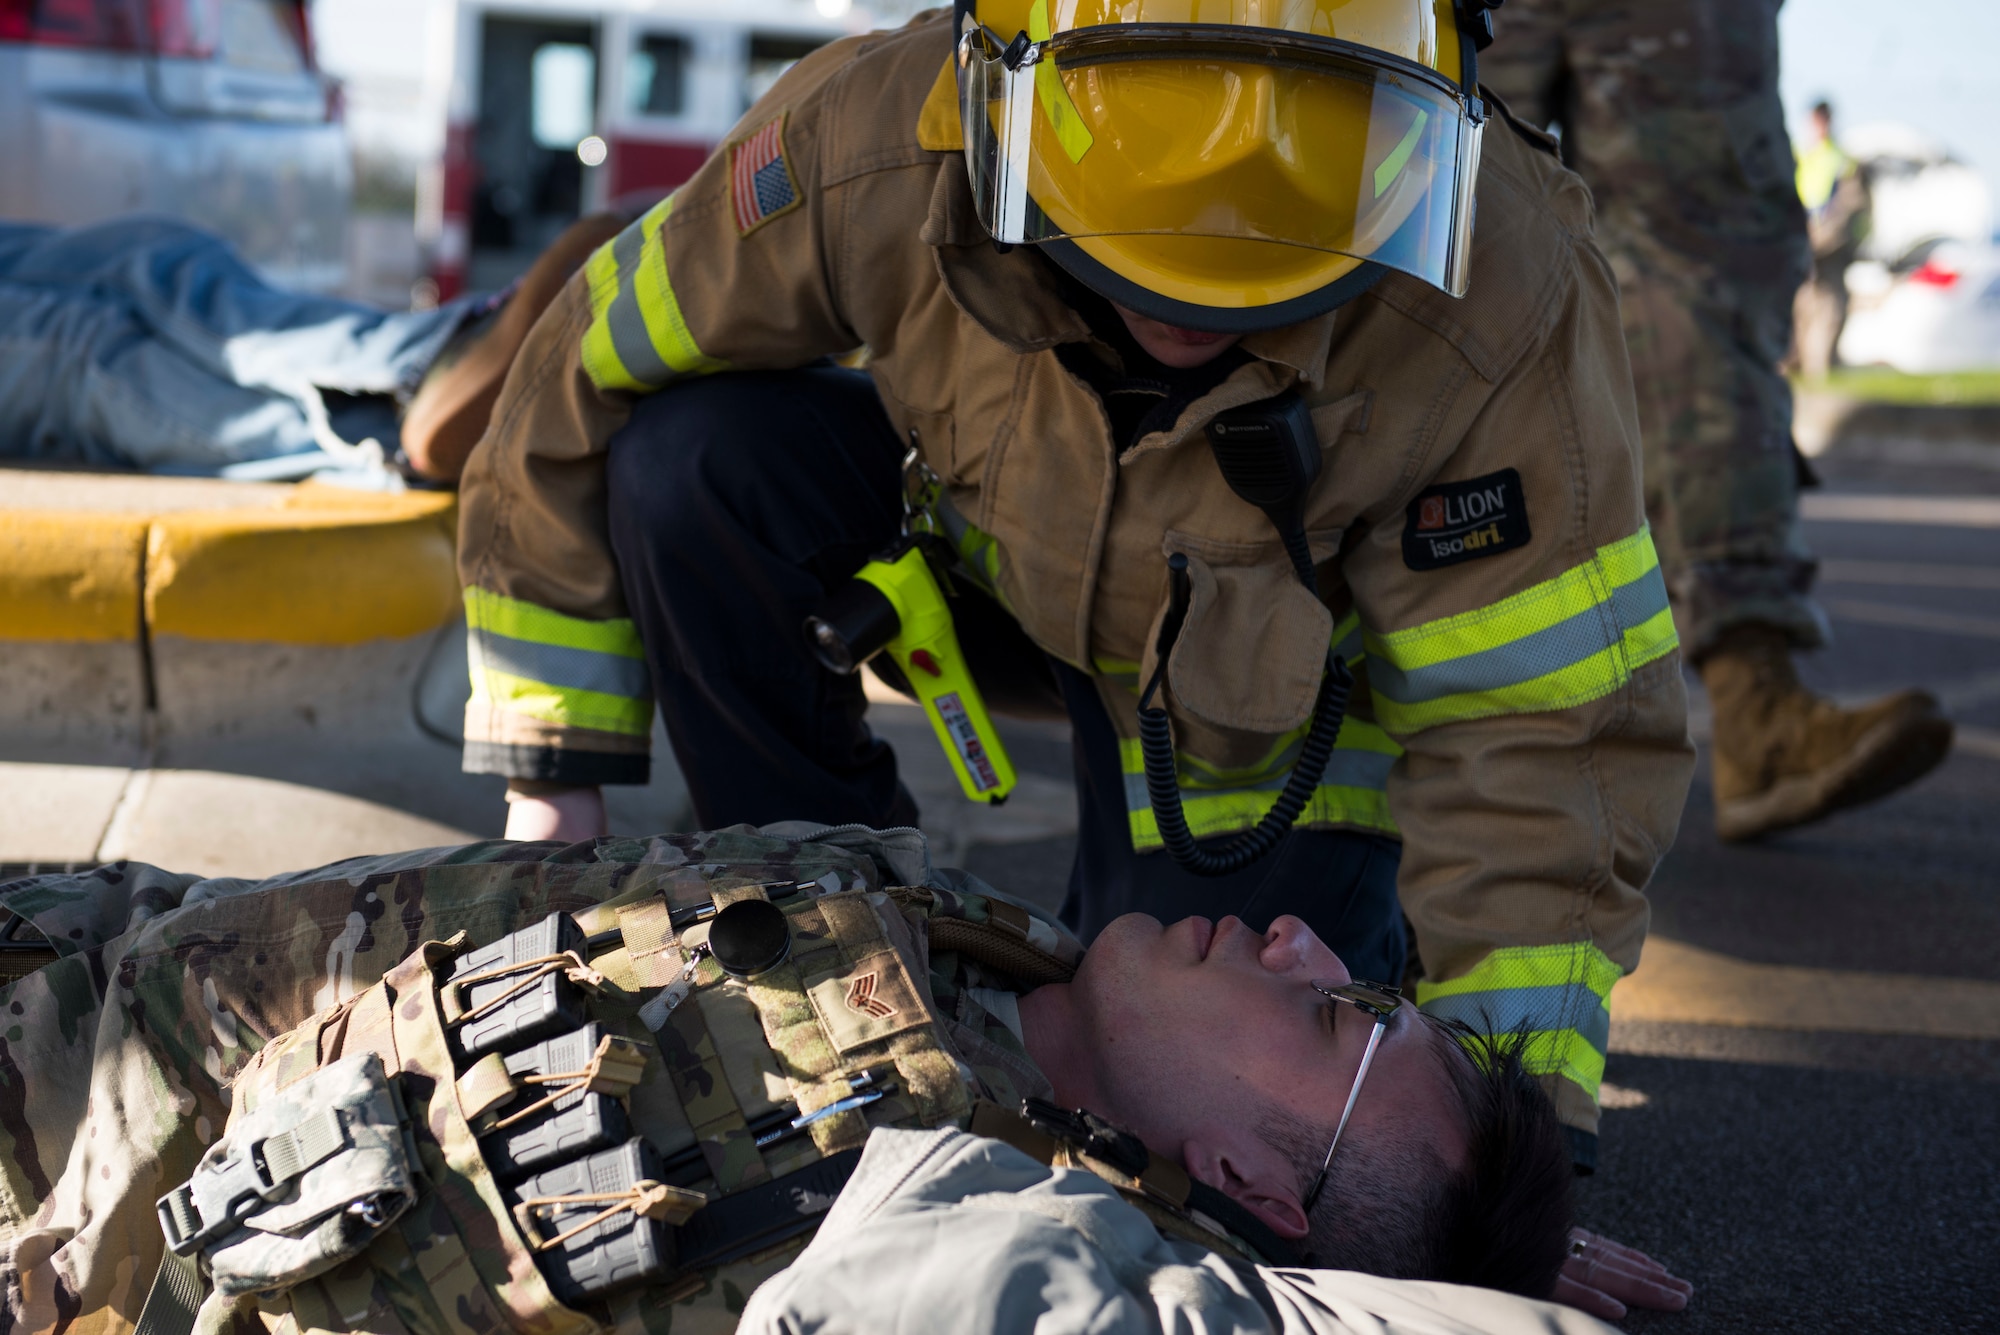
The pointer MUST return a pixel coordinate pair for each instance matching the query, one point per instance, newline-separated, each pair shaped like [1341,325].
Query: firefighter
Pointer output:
[1070,237]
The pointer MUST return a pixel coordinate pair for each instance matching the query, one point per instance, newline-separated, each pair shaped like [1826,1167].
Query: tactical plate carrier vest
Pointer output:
[628,1116]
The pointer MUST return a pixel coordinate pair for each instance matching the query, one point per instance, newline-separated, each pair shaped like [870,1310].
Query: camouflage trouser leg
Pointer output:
[1670,112]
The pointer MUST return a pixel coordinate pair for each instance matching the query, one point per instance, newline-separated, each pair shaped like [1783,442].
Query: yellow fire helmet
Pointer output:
[1227,165]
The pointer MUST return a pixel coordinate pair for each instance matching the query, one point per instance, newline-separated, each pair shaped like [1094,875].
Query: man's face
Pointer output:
[1200,1028]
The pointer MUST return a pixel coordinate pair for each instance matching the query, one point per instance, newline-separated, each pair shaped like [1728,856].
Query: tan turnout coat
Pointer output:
[1522,721]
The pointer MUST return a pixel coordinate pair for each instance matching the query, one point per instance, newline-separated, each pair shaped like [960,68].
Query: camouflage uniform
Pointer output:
[116,1060]
[1670,112]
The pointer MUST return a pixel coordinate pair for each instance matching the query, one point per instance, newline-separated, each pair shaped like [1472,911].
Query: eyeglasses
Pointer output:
[1379,1001]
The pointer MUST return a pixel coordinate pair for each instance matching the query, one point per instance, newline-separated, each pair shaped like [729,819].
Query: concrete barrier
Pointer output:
[72,675]
[239,678]
[307,637]
[307,620]
[156,613]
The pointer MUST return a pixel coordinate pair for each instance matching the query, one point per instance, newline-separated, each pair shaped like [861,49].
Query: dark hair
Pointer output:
[1393,1207]
[1823,108]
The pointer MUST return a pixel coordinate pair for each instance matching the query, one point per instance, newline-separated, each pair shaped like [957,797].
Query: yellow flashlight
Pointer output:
[894,603]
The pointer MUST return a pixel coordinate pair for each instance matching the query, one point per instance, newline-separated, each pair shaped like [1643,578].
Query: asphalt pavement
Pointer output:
[1804,1096]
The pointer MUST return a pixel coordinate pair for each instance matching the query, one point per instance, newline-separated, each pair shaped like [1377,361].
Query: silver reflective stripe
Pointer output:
[1349,649]
[1640,601]
[560,665]
[1344,769]
[1562,645]
[630,338]
[1536,1009]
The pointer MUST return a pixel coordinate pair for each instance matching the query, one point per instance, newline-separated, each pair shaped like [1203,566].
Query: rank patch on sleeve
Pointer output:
[1463,521]
[760,178]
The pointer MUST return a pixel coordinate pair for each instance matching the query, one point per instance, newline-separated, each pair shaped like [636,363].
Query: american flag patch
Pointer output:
[760,179]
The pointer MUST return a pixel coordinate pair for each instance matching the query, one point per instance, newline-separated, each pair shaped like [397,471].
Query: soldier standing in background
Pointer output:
[1670,112]
[1834,190]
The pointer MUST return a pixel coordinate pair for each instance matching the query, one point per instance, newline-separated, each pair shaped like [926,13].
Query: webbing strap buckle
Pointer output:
[181,1222]
[1086,1131]
[220,1195]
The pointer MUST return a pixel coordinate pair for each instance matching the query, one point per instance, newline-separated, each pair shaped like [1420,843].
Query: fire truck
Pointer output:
[553,108]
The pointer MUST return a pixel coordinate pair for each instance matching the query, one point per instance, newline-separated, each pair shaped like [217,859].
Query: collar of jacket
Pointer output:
[1013,299]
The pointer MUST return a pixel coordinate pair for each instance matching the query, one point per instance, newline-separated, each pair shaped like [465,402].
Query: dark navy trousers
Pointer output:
[737,501]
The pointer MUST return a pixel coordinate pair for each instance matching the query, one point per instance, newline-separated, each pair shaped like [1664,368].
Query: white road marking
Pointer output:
[1949,511]
[1914,618]
[1967,692]
[1910,574]
[1981,742]
[1613,1098]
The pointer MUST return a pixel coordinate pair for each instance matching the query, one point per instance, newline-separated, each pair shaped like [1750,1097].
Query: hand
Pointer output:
[1603,1277]
[569,816]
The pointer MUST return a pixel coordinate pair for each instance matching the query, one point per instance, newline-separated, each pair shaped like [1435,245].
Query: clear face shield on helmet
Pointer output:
[1226,132]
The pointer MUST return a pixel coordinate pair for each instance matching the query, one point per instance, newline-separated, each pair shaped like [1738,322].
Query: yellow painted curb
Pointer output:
[324,568]
[70,576]
[323,565]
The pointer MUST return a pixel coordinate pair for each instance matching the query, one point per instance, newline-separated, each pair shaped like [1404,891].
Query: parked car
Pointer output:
[1936,315]
[209,110]
[1920,194]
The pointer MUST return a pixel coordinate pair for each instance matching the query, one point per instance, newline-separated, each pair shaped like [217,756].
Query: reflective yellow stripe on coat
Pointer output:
[1564,642]
[638,340]
[1558,996]
[557,669]
[1352,791]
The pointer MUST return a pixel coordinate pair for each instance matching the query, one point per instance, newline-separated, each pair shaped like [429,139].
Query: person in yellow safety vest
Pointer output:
[1834,190]
[1071,236]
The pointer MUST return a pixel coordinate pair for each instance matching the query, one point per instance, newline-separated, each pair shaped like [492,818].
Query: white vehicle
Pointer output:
[208,110]
[1920,194]
[1942,315]
[552,108]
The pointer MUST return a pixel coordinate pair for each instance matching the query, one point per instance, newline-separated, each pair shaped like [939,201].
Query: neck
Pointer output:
[1053,1029]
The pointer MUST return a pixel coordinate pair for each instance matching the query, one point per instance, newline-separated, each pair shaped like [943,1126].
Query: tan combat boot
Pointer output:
[1784,756]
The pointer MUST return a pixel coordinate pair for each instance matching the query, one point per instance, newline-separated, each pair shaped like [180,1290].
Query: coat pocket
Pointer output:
[934,434]
[1250,655]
